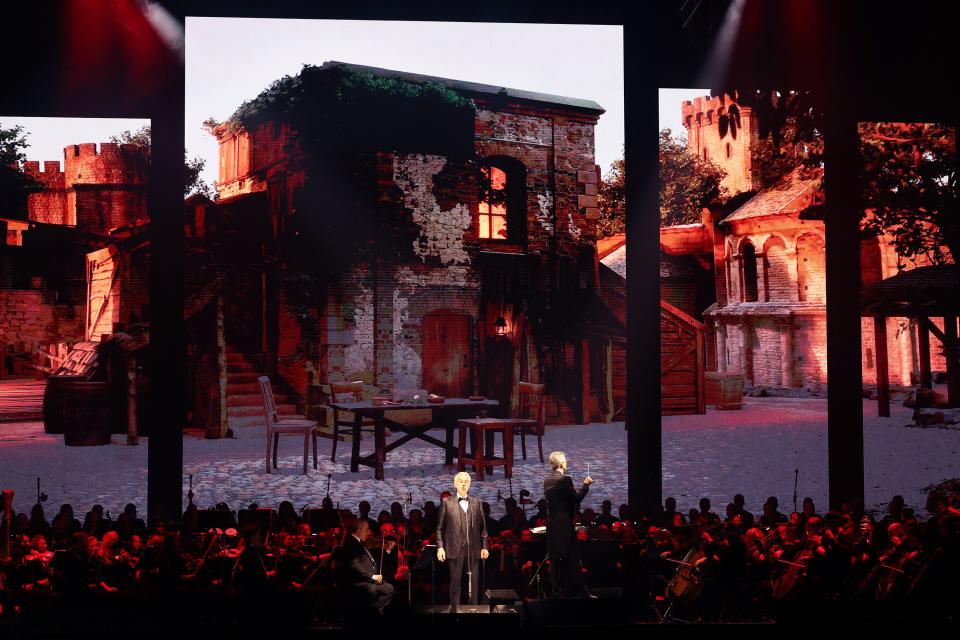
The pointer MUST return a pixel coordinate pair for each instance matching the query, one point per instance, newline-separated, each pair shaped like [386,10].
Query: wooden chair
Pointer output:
[346,392]
[530,418]
[277,427]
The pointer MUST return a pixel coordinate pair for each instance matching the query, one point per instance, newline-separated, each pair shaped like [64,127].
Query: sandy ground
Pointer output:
[754,451]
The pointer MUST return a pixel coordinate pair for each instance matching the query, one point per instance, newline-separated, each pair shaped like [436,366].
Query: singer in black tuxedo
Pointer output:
[462,538]
[357,571]
[562,547]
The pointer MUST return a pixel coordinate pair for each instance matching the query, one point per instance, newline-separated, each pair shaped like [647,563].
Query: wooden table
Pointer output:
[444,416]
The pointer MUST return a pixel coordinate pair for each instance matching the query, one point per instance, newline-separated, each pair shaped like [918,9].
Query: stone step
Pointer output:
[241,367]
[246,377]
[237,388]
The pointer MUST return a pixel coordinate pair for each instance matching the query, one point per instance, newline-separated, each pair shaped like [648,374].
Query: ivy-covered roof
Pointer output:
[474,88]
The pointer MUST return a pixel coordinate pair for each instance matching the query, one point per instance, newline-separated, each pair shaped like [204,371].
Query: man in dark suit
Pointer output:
[562,500]
[462,538]
[357,570]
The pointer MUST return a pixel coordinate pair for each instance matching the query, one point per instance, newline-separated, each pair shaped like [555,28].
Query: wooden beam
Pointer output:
[932,328]
[883,376]
[923,348]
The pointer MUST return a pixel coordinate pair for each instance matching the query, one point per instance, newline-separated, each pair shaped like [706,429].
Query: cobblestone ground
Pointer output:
[754,451]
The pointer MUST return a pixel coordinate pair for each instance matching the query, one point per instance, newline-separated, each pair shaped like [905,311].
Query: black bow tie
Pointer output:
[463,499]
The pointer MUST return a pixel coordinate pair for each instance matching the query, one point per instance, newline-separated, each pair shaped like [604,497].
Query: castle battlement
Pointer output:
[706,106]
[110,163]
[51,177]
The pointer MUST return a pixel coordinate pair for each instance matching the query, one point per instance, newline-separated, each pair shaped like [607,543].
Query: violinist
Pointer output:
[114,564]
[36,563]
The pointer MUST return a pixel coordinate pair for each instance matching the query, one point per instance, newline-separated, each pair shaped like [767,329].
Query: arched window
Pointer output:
[501,214]
[493,207]
[748,259]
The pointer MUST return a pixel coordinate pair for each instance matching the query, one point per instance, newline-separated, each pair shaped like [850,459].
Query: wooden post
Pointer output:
[883,376]
[132,434]
[953,367]
[923,346]
[584,417]
[222,423]
[701,365]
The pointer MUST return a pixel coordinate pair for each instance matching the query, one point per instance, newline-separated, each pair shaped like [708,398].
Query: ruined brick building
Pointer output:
[466,290]
[47,280]
[767,259]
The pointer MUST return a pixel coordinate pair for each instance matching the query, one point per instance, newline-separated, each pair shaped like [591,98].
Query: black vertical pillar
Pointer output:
[844,399]
[167,369]
[644,460]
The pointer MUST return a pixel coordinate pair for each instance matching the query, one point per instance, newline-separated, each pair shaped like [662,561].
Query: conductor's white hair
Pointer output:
[557,458]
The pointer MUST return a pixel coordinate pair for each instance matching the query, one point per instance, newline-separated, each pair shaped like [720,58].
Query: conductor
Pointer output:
[462,538]
[562,500]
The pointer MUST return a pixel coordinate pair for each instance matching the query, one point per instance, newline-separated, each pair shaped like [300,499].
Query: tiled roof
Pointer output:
[793,193]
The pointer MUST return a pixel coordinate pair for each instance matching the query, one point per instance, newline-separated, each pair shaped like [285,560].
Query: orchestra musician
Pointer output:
[357,570]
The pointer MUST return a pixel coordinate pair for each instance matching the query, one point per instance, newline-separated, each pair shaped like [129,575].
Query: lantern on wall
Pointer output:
[500,326]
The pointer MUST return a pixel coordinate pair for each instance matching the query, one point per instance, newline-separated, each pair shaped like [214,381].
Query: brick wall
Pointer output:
[100,208]
[50,204]
[811,269]
[781,285]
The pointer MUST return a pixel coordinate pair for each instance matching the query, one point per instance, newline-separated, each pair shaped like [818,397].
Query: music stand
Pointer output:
[214,519]
[263,518]
[428,557]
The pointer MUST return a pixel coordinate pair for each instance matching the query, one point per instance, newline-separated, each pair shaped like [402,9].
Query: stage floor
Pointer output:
[754,451]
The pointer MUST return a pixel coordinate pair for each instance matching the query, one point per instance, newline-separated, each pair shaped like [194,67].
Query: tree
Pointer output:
[612,201]
[192,167]
[788,130]
[687,183]
[910,188]
[15,185]
[141,136]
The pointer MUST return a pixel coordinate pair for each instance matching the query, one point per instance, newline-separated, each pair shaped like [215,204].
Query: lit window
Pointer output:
[493,204]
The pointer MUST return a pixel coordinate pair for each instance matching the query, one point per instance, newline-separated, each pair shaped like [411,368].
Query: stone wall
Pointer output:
[31,318]
[98,188]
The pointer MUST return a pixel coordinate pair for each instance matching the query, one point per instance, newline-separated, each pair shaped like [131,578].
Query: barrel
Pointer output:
[53,403]
[89,413]
[725,390]
[64,396]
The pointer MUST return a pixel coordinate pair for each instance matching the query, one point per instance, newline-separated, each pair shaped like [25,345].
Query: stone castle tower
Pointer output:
[97,189]
[734,152]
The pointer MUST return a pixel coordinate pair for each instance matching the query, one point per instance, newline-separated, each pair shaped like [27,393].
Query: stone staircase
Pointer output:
[244,402]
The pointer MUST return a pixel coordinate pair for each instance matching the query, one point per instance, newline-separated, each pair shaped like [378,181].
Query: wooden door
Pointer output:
[446,354]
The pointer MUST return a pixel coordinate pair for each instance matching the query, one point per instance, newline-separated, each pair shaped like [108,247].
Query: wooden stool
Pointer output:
[483,433]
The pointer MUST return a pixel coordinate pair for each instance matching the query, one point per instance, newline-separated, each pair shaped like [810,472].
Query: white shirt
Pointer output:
[463,505]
